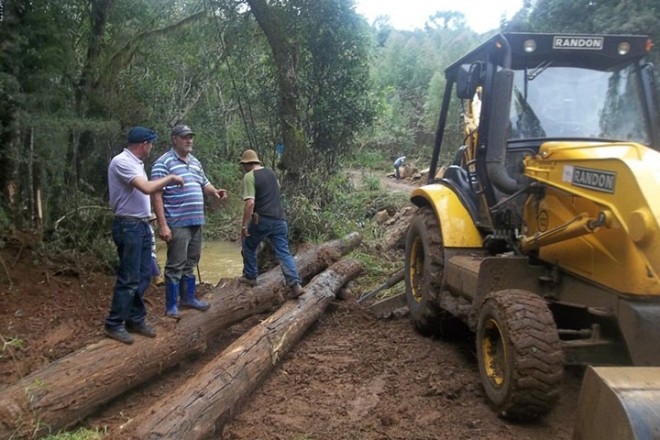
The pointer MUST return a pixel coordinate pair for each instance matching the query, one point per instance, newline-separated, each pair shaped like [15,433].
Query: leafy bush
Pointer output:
[338,208]
[369,159]
[80,434]
[82,236]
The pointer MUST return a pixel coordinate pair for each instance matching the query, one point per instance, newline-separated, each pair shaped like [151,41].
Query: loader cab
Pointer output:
[520,90]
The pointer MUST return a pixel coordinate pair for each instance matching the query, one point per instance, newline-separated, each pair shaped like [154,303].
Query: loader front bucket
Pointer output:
[620,403]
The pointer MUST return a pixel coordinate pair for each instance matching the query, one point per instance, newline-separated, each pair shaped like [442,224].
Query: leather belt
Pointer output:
[130,218]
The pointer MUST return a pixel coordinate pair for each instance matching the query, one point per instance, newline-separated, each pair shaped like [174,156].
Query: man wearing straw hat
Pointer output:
[263,217]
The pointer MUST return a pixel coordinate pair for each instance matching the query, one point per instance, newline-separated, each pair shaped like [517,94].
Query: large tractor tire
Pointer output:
[424,272]
[521,362]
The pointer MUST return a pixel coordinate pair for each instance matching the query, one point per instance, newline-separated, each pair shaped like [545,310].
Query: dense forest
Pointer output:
[312,76]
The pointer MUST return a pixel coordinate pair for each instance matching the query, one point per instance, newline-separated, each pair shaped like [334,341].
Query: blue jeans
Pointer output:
[183,253]
[133,240]
[277,232]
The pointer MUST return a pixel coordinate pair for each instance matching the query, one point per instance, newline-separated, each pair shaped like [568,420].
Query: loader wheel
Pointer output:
[424,271]
[519,353]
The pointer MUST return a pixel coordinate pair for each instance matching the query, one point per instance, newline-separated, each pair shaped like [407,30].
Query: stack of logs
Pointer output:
[71,388]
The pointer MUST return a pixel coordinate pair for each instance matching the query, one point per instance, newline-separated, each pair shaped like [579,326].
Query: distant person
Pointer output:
[397,164]
[131,232]
[263,217]
[180,214]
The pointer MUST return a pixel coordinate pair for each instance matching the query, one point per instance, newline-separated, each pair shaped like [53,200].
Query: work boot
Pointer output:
[249,281]
[295,291]
[188,299]
[171,296]
[120,334]
[141,329]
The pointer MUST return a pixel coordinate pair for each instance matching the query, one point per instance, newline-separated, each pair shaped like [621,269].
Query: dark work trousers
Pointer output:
[133,240]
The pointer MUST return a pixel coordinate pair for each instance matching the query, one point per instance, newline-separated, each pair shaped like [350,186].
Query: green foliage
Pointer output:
[9,345]
[340,208]
[375,266]
[11,342]
[81,236]
[79,434]
[334,76]
[408,75]
[366,159]
[371,183]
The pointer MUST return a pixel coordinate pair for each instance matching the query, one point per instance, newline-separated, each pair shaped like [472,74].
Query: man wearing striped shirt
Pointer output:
[180,215]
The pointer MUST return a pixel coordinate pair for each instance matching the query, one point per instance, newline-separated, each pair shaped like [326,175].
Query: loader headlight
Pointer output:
[529,46]
[623,48]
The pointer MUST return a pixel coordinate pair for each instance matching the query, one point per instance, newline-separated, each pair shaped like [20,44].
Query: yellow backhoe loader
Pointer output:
[543,235]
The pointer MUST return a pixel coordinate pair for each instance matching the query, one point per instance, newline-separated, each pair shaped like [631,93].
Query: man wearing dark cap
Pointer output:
[180,214]
[131,205]
[263,217]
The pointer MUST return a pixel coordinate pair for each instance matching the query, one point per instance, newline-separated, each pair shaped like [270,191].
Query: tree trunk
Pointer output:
[285,55]
[200,407]
[30,193]
[11,46]
[98,18]
[69,389]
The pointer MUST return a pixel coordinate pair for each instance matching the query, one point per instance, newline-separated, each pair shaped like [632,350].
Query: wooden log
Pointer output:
[69,389]
[397,228]
[200,407]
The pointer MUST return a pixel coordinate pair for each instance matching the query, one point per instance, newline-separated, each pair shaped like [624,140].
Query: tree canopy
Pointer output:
[306,83]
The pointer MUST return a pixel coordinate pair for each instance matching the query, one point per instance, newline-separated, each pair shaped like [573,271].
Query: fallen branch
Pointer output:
[393,280]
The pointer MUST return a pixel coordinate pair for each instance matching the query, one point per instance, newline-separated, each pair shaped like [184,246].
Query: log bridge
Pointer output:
[66,391]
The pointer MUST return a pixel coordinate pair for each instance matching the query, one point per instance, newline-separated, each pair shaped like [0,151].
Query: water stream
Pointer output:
[220,259]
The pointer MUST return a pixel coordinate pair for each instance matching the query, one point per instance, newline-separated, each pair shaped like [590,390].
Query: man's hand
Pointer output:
[220,194]
[244,233]
[165,233]
[176,180]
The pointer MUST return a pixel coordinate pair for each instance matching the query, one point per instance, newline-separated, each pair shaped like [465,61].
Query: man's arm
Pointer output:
[211,191]
[152,186]
[155,188]
[248,209]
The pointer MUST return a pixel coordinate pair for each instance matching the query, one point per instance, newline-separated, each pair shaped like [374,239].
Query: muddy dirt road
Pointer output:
[352,376]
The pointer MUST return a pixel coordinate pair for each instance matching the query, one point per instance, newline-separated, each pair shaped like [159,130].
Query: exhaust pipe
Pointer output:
[498,129]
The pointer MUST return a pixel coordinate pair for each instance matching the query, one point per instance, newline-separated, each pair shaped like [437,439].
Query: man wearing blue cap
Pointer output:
[130,202]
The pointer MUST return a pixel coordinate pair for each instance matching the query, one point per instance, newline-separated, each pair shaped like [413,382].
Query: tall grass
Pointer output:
[79,434]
